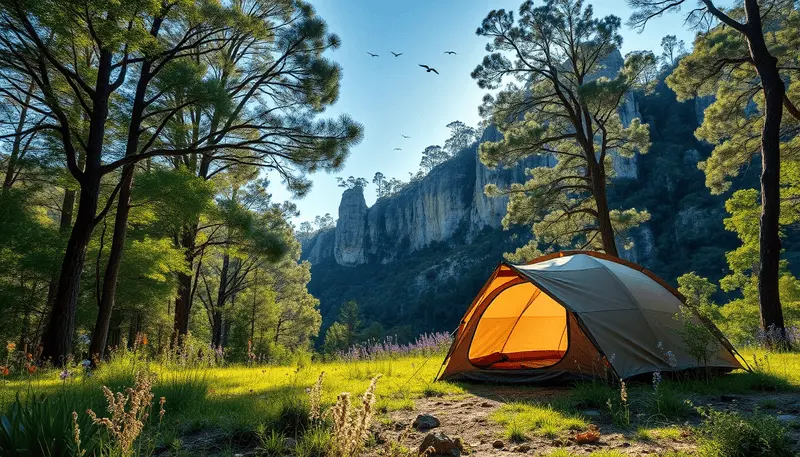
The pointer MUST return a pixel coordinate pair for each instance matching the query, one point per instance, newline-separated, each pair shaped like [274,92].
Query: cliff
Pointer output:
[415,260]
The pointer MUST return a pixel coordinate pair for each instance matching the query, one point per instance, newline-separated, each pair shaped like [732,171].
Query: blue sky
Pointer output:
[393,96]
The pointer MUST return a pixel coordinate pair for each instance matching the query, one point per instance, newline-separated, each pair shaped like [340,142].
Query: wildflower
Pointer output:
[144,339]
[4,371]
[31,368]
[86,363]
[29,356]
[656,379]
[672,361]
[76,434]
[161,410]
[64,375]
[623,392]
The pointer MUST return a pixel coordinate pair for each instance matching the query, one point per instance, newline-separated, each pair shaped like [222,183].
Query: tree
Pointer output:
[380,184]
[351,182]
[325,222]
[672,50]
[740,60]
[559,108]
[461,137]
[432,156]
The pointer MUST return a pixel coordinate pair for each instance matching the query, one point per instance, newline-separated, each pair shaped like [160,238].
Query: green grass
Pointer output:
[238,398]
[520,419]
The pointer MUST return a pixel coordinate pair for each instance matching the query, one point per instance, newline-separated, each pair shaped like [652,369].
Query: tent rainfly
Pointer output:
[575,315]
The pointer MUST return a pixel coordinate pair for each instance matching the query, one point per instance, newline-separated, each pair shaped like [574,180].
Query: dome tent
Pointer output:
[575,315]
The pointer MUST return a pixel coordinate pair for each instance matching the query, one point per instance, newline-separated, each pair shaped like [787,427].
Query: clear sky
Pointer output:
[393,96]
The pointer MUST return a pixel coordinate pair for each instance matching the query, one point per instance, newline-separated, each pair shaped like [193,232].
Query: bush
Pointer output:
[730,434]
[293,417]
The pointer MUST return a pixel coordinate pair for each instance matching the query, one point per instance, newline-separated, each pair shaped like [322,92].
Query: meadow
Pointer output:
[240,409]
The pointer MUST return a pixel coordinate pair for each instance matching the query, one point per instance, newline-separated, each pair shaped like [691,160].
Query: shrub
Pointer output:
[730,434]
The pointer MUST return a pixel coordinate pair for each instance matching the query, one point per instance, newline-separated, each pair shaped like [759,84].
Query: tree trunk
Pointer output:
[111,276]
[57,338]
[603,219]
[222,292]
[183,302]
[769,239]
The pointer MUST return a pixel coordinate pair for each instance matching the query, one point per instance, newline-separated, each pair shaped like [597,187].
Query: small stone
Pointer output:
[441,444]
[425,422]
[557,443]
[625,444]
[486,404]
[728,398]
[289,443]
[591,413]
[523,448]
[498,444]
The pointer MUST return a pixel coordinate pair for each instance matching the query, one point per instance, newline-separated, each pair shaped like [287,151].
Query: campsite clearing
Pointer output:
[215,411]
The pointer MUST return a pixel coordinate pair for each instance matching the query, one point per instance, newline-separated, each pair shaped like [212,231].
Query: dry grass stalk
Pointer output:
[350,426]
[315,399]
[129,411]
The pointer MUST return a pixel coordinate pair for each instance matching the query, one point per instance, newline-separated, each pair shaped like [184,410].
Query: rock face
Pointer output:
[348,249]
[448,205]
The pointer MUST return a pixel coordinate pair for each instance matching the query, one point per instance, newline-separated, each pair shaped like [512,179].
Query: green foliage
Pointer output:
[731,434]
[272,442]
[42,425]
[570,116]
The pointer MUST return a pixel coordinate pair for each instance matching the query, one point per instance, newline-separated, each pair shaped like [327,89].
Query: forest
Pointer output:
[144,253]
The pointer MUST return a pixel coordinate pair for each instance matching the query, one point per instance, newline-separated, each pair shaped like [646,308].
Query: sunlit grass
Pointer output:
[240,397]
[539,419]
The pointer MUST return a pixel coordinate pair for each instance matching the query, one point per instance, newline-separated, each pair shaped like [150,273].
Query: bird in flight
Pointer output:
[371,54]
[396,54]
[429,69]
[450,52]
[397,149]
[405,136]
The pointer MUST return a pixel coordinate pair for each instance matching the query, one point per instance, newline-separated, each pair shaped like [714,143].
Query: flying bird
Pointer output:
[371,54]
[450,52]
[396,54]
[429,69]
[397,149]
[405,136]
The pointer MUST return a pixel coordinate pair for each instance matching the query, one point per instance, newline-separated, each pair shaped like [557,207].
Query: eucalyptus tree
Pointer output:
[747,57]
[556,105]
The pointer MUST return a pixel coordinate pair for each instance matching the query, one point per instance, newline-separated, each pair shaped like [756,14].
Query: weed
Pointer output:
[272,444]
[730,434]
[768,403]
[590,395]
[540,419]
[669,403]
[515,432]
[350,423]
[620,410]
[293,415]
[315,442]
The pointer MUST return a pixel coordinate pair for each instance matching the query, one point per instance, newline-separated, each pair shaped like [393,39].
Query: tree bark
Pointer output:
[57,339]
[183,302]
[604,225]
[769,240]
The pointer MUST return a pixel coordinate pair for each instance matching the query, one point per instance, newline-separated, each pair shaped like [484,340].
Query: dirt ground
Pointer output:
[467,417]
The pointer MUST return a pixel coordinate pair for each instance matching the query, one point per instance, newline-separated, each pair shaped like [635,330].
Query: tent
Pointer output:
[576,315]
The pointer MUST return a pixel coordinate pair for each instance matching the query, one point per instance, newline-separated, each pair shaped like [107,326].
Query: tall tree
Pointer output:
[560,108]
[740,60]
[461,137]
[432,156]
[267,84]
[672,49]
[380,184]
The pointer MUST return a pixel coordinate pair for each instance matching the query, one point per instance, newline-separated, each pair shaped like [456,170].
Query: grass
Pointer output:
[239,397]
[520,419]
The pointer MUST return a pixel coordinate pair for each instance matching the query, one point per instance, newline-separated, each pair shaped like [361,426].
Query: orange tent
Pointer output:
[576,315]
